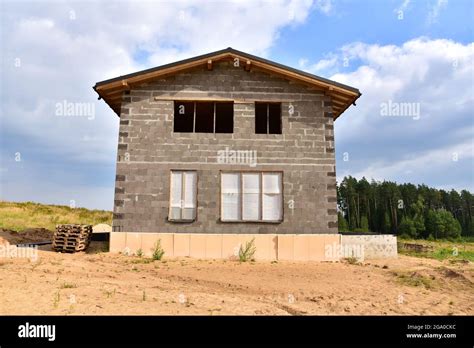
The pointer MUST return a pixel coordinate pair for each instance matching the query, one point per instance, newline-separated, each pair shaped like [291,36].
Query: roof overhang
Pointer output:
[342,96]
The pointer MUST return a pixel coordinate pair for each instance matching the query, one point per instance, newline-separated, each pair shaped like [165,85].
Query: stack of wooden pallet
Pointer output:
[72,238]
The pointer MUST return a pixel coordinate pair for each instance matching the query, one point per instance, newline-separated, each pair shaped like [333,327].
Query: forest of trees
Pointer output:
[404,209]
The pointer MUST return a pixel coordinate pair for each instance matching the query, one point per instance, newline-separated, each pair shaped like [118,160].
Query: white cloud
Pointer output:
[435,11]
[322,67]
[435,73]
[403,6]
[325,6]
[302,63]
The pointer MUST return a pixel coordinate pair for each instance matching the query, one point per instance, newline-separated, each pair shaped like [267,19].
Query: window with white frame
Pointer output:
[183,195]
[251,196]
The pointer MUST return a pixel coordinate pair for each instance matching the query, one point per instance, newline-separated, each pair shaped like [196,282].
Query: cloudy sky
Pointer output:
[398,53]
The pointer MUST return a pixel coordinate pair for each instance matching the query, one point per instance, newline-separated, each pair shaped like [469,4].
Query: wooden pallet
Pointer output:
[69,239]
[72,238]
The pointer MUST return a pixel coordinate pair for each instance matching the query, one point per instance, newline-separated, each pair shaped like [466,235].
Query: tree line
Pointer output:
[404,209]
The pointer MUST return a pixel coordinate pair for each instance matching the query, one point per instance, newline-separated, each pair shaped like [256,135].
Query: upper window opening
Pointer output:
[184,117]
[204,117]
[224,117]
[268,118]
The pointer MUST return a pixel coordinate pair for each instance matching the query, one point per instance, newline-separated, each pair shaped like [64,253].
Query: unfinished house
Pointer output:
[222,148]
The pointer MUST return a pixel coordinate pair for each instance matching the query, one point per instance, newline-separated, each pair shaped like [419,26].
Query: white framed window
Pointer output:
[183,189]
[230,197]
[252,196]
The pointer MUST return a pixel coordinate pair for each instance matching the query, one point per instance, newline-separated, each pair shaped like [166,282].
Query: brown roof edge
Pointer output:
[229,50]
[348,105]
[101,97]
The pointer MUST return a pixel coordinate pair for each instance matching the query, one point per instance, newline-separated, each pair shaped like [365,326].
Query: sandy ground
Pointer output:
[97,282]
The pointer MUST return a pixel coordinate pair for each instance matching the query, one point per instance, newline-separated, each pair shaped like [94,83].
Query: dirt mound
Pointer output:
[29,235]
[3,241]
[102,228]
[452,274]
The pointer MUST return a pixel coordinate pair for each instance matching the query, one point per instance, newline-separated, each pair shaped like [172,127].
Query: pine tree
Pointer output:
[342,223]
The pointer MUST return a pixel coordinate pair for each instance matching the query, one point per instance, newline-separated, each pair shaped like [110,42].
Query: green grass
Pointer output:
[352,260]
[443,254]
[462,250]
[56,299]
[19,216]
[158,251]
[141,260]
[247,252]
[414,279]
[68,286]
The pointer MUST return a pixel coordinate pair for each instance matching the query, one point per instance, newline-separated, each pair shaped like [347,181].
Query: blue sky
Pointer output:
[418,52]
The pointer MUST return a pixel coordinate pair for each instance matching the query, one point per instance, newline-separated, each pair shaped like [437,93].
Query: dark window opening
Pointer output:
[261,118]
[183,117]
[268,118]
[274,118]
[204,117]
[224,117]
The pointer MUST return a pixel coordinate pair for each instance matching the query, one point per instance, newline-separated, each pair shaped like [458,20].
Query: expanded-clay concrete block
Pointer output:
[265,247]
[243,239]
[214,246]
[285,247]
[149,241]
[181,244]
[117,242]
[230,246]
[197,245]
[167,243]
[301,247]
[317,250]
[133,242]
[332,241]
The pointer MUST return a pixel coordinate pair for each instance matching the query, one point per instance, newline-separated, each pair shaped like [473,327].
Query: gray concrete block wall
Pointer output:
[148,150]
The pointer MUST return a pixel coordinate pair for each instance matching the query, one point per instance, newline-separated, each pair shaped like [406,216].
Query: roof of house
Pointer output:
[342,95]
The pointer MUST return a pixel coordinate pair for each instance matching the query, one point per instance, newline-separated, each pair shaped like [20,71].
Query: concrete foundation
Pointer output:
[370,247]
[269,247]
